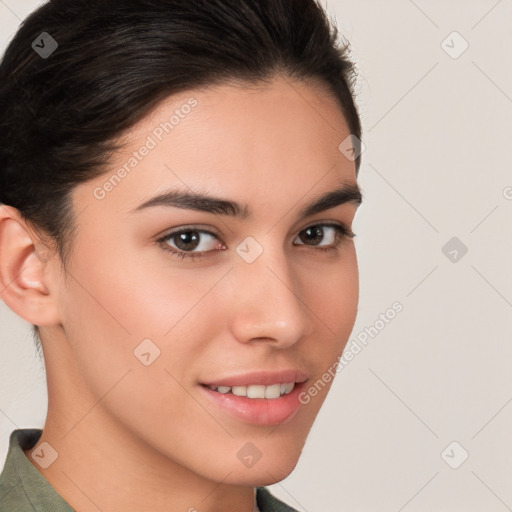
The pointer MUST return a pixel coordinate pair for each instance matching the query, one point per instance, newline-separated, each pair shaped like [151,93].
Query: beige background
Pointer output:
[437,165]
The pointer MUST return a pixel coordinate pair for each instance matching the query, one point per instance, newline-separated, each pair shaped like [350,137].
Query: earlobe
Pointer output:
[24,275]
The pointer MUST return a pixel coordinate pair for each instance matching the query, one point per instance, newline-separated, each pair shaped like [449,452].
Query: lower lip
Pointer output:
[258,411]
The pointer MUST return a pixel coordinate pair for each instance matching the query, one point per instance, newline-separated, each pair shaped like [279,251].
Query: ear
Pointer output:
[25,271]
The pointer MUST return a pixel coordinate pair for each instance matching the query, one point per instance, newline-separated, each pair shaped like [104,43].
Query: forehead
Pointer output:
[256,143]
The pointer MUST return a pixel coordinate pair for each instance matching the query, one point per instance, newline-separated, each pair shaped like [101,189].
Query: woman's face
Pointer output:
[254,295]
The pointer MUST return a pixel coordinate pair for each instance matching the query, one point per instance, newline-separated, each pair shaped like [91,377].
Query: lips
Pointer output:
[253,397]
[257,411]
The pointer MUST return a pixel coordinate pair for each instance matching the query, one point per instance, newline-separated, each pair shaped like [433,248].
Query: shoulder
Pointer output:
[269,503]
[22,487]
[12,494]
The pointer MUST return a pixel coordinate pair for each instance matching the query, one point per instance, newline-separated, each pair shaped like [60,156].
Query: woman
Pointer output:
[178,185]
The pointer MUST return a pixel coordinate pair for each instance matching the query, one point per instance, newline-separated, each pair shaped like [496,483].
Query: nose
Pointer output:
[268,303]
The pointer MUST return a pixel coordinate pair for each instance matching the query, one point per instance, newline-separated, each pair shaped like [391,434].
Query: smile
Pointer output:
[256,390]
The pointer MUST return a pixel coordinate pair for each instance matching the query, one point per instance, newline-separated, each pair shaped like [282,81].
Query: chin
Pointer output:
[263,473]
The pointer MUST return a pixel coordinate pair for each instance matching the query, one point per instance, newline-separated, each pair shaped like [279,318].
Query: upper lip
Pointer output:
[259,377]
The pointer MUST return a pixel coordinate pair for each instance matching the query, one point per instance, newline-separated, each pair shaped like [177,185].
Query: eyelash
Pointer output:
[342,232]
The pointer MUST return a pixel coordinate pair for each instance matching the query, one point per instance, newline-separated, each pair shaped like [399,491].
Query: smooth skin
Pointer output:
[131,437]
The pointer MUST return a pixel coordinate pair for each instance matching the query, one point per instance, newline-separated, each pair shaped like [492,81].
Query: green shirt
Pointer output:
[24,489]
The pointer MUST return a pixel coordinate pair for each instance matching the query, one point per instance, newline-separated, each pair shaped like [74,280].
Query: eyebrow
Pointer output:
[348,193]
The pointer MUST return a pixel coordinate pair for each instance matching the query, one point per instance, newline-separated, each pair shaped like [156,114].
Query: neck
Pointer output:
[109,470]
[103,466]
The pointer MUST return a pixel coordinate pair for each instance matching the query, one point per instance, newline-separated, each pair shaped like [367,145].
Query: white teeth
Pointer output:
[239,390]
[257,390]
[273,391]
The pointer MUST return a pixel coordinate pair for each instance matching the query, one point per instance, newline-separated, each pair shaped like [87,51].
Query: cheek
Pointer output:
[117,311]
[133,294]
[113,305]
[333,295]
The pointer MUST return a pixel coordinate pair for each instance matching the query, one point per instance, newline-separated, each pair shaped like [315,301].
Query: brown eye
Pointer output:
[330,233]
[190,242]
[312,235]
[186,240]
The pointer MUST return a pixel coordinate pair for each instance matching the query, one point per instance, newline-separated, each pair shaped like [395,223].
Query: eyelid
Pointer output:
[197,227]
[162,239]
[192,227]
[346,231]
[343,231]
